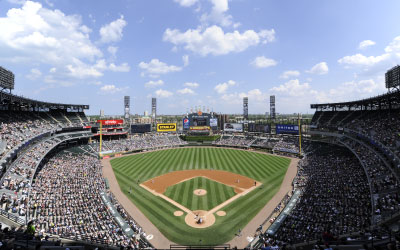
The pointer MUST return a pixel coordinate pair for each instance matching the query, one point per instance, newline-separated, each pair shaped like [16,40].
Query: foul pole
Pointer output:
[101,136]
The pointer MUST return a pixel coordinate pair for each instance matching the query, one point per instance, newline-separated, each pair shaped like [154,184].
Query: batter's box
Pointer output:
[187,190]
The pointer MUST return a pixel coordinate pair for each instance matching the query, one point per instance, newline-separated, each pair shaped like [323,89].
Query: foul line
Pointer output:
[213,210]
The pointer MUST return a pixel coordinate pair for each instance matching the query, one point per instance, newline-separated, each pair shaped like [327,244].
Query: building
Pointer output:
[101,113]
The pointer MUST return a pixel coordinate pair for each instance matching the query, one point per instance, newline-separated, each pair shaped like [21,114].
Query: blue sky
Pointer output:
[191,53]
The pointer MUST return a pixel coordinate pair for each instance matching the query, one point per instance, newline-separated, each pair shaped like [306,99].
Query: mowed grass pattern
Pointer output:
[216,193]
[267,169]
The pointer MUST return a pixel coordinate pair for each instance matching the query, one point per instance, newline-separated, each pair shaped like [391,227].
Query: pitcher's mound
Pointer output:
[194,219]
[200,192]
[178,213]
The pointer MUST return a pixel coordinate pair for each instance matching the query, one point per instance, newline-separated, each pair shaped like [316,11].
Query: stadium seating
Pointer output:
[65,201]
[139,142]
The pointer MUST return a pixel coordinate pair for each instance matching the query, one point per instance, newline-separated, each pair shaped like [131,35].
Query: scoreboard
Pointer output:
[140,128]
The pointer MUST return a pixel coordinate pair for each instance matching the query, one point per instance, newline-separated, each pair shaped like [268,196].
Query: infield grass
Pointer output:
[267,169]
[216,193]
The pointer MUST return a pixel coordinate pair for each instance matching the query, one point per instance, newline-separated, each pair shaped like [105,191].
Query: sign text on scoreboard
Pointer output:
[200,128]
[287,129]
[166,127]
[110,122]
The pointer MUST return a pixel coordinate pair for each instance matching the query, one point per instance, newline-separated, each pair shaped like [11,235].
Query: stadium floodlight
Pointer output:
[392,78]
[6,79]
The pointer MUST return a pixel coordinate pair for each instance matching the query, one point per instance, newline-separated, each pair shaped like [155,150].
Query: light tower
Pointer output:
[272,107]
[245,108]
[127,103]
[153,110]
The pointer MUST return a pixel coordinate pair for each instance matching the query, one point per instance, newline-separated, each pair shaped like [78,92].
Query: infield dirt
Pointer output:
[239,182]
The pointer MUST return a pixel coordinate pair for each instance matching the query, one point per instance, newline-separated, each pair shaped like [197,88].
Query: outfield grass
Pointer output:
[216,193]
[267,169]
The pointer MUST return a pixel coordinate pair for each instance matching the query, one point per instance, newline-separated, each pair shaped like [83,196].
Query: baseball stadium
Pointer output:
[239,164]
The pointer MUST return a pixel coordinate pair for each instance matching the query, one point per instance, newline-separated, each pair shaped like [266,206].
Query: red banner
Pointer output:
[110,122]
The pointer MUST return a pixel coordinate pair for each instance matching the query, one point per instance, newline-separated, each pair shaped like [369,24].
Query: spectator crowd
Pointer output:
[147,141]
[65,200]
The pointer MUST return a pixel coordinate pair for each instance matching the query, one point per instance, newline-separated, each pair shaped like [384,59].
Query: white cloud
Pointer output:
[112,50]
[213,40]
[85,29]
[355,90]
[218,14]
[319,69]
[223,87]
[359,59]
[365,44]
[289,74]
[186,3]
[155,67]
[185,91]
[263,62]
[185,59]
[191,84]
[124,67]
[112,32]
[153,84]
[16,1]
[49,3]
[390,57]
[111,89]
[161,93]
[292,88]
[256,97]
[302,94]
[394,46]
[35,74]
[81,70]
[35,34]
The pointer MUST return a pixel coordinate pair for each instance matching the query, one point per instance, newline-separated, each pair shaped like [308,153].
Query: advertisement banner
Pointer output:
[140,128]
[200,128]
[287,129]
[166,127]
[233,127]
[213,122]
[186,123]
[110,122]
[260,128]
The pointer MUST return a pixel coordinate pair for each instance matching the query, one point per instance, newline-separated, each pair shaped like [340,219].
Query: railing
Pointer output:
[12,217]
[225,246]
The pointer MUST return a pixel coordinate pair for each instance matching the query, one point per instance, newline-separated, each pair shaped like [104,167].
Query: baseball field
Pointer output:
[226,188]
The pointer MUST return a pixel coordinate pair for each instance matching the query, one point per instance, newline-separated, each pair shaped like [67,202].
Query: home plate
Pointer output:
[250,239]
[149,237]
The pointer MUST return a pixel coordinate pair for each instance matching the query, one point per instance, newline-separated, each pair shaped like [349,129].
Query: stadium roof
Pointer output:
[386,101]
[23,102]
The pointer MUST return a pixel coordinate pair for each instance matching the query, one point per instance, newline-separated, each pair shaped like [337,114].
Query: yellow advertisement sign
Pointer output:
[166,127]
